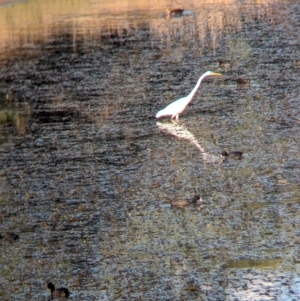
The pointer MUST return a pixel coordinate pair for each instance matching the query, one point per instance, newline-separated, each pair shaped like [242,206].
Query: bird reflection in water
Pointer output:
[181,132]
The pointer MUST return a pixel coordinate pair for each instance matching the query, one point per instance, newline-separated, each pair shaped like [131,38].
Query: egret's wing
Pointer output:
[175,107]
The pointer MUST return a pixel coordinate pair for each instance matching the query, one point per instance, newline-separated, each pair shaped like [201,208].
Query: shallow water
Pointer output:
[88,173]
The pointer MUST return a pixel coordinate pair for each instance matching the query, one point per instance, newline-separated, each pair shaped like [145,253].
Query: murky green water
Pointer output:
[88,173]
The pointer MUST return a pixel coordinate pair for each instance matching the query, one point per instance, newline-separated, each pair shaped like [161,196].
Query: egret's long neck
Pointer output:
[190,96]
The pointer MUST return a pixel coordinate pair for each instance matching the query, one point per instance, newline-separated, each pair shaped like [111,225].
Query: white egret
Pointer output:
[177,107]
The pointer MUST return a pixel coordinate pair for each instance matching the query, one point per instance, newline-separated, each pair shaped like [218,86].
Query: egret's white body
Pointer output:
[177,107]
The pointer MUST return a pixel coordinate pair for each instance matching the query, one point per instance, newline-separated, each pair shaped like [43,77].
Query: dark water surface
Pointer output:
[88,173]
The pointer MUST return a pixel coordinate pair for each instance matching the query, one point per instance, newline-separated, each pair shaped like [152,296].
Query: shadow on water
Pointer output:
[88,175]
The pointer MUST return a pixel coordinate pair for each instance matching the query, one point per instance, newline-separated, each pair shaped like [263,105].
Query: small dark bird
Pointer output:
[195,199]
[182,203]
[243,82]
[175,12]
[9,236]
[61,292]
[223,64]
[236,155]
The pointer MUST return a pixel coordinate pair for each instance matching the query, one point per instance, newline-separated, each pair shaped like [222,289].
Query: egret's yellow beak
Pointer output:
[215,73]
